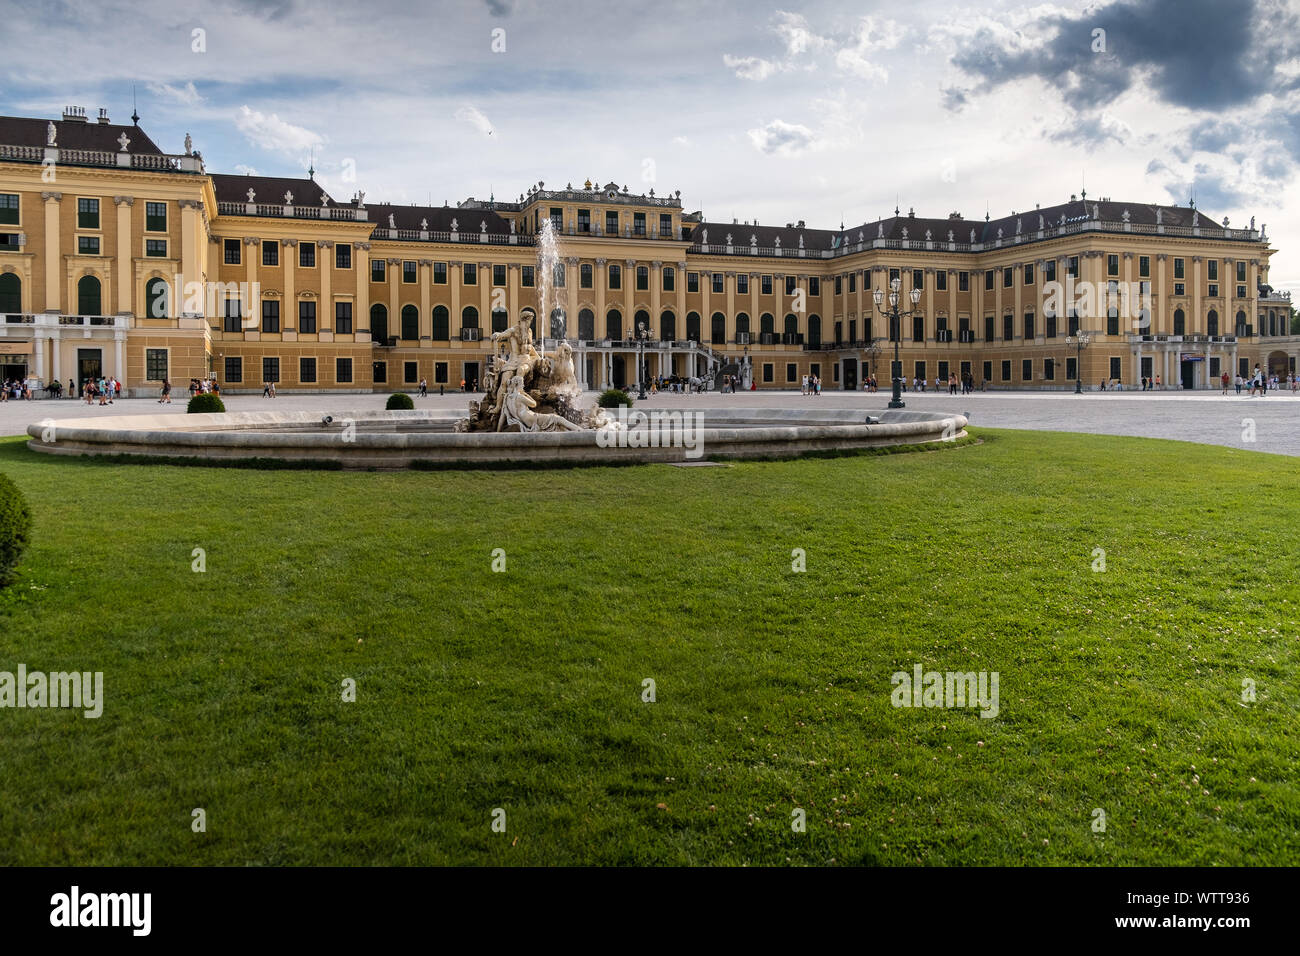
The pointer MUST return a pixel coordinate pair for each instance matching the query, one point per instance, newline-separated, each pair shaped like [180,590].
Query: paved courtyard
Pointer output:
[1205,417]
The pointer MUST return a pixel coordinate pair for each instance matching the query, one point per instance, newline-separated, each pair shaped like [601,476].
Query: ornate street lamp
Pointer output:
[873,353]
[1080,340]
[896,326]
[640,358]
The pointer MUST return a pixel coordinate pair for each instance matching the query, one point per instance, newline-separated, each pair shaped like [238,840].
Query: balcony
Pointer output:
[742,338]
[471,335]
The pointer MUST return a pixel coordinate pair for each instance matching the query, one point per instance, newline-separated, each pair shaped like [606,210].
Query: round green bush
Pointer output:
[399,401]
[205,402]
[15,528]
[614,397]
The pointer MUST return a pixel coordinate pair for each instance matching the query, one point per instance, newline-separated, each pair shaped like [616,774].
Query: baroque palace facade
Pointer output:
[117,258]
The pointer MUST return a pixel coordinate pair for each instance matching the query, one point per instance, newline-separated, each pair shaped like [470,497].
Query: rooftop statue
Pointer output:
[50,135]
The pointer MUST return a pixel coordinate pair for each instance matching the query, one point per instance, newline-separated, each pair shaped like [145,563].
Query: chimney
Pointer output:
[103,116]
[74,114]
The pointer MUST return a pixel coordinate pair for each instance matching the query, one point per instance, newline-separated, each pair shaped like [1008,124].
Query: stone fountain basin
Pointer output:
[400,439]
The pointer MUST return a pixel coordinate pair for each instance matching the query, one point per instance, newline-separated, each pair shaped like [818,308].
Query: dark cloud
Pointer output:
[953,98]
[500,8]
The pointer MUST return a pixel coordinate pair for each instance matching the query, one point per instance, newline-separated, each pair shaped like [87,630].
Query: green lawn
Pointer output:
[522,690]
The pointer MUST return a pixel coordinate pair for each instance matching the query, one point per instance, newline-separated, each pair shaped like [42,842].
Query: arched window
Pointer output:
[500,319]
[88,296]
[718,329]
[767,324]
[410,323]
[613,325]
[586,325]
[693,326]
[155,299]
[379,323]
[667,326]
[559,324]
[1180,322]
[441,323]
[1241,323]
[791,326]
[469,317]
[11,293]
[642,317]
[742,325]
[814,330]
[1212,323]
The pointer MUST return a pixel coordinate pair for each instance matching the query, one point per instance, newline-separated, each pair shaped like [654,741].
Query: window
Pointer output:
[665,225]
[1072,323]
[88,245]
[718,278]
[941,280]
[611,223]
[87,213]
[9,209]
[155,364]
[527,276]
[789,285]
[1213,289]
[1026,370]
[1179,269]
[693,326]
[1008,277]
[1112,265]
[559,275]
[343,318]
[1072,266]
[1049,270]
[410,272]
[1008,328]
[270,369]
[1241,270]
[410,372]
[377,272]
[765,285]
[742,283]
[584,276]
[1212,273]
[1180,288]
[988,328]
[343,255]
[155,217]
[270,315]
[638,224]
[668,327]
[234,369]
[499,276]
[231,247]
[410,326]
[670,279]
[718,329]
[584,222]
[1049,370]
[1241,292]
[615,277]
[440,373]
[233,320]
[918,279]
[963,281]
[155,248]
[1051,325]
[440,273]
[918,328]
[307,255]
[441,323]
[1180,322]
[692,282]
[270,252]
[987,371]
[1029,326]
[839,285]
[470,273]
[853,282]
[307,370]
[1006,370]
[642,278]
[1144,267]
[791,372]
[1116,370]
[894,274]
[343,370]
[768,372]
[1029,274]
[307,317]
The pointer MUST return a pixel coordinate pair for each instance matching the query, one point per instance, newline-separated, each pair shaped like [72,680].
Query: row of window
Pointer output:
[584,224]
[308,371]
[88,213]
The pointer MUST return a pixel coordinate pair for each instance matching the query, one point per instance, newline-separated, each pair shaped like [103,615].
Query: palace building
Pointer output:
[117,258]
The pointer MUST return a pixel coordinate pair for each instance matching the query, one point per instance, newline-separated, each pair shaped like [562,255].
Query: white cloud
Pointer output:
[752,67]
[780,138]
[681,141]
[185,95]
[245,170]
[805,47]
[475,118]
[272,133]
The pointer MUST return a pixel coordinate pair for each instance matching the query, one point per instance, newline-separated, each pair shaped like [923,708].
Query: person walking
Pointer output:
[1224,379]
[166,393]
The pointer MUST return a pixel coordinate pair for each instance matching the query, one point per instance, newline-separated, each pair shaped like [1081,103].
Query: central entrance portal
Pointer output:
[850,375]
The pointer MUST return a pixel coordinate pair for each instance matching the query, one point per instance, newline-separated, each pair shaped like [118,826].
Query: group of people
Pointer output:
[812,385]
[15,388]
[964,385]
[105,389]
[1261,384]
[200,386]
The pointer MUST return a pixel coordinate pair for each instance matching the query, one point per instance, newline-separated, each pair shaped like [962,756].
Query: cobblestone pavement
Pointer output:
[1207,417]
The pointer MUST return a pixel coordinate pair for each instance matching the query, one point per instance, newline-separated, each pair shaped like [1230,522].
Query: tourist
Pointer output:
[266,389]
[1224,379]
[803,386]
[462,384]
[166,393]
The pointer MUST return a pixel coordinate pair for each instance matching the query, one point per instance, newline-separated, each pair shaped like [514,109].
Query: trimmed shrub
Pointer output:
[205,402]
[15,528]
[614,397]
[399,401]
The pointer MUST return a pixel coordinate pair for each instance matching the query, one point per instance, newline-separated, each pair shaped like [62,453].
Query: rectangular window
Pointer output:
[155,248]
[410,372]
[232,254]
[670,279]
[918,328]
[307,317]
[1049,370]
[665,225]
[9,209]
[470,272]
[1213,289]
[1008,328]
[642,278]
[1006,370]
[1115,367]
[559,275]
[1029,326]
[918,279]
[270,369]
[765,287]
[988,328]
[963,281]
[1051,325]
[1026,370]
[789,285]
[941,280]
[440,373]
[557,218]
[307,370]
[791,372]
[1049,270]
[918,370]
[1180,288]
[270,252]
[987,371]
[988,280]
[638,224]
[611,223]
[270,315]
[1144,267]
[615,277]
[1241,292]
[440,273]
[232,320]
[1179,269]
[155,364]
[1212,272]
[853,282]
[377,270]
[410,272]
[307,255]
[1008,277]
[1029,274]
[717,282]
[343,318]
[87,213]
[88,245]
[343,255]
[1241,270]
[1112,265]
[1072,266]
[1215,368]
[343,370]
[584,220]
[498,275]
[692,282]
[584,276]
[768,372]
[839,285]
[155,217]
[234,369]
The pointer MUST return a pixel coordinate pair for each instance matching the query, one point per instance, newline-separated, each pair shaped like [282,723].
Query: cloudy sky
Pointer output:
[819,111]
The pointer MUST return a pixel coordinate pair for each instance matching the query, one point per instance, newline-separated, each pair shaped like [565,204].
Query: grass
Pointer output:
[522,690]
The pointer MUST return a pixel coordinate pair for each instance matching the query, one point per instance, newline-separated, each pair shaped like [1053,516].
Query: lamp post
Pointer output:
[1081,339]
[640,358]
[744,370]
[896,327]
[873,353]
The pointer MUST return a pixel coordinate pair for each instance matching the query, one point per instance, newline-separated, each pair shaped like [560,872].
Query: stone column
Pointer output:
[425,274]
[289,302]
[53,259]
[119,340]
[124,252]
[325,305]
[361,318]
[572,278]
[455,276]
[656,292]
[602,284]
